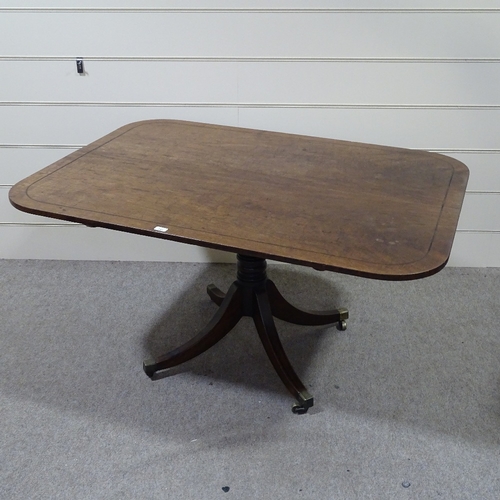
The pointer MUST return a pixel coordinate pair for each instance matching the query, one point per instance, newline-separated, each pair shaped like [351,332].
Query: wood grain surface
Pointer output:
[366,210]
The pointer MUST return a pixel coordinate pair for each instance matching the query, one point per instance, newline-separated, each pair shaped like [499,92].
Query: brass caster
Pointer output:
[149,368]
[299,409]
[342,325]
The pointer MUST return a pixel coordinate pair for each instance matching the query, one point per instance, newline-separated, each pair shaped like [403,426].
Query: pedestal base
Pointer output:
[254,295]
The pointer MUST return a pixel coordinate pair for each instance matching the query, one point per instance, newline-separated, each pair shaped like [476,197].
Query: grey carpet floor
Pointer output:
[407,400]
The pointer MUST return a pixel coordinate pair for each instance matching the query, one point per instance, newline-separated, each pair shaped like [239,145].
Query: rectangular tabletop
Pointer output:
[367,210]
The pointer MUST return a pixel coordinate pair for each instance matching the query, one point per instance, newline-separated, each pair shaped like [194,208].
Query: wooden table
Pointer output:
[371,211]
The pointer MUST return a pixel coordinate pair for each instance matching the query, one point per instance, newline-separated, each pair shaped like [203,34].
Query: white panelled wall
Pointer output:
[425,76]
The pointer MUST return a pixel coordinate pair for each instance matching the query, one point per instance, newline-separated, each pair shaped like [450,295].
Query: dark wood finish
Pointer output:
[268,334]
[366,210]
[372,211]
[285,311]
[224,320]
[254,295]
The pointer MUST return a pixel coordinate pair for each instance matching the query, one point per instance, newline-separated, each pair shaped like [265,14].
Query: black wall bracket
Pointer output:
[79,66]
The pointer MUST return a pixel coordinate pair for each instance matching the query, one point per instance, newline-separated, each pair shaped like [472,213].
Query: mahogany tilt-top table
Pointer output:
[372,211]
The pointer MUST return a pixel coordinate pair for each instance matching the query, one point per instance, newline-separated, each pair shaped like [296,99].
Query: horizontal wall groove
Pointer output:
[480,192]
[75,224]
[474,191]
[250,59]
[249,105]
[78,146]
[479,231]
[41,146]
[40,224]
[468,192]
[245,10]
[460,150]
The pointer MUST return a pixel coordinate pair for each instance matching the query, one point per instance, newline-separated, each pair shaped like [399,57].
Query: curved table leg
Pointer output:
[285,311]
[268,334]
[226,317]
[252,294]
